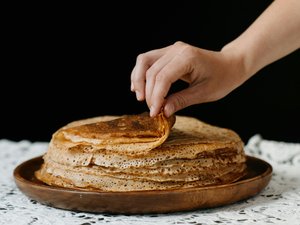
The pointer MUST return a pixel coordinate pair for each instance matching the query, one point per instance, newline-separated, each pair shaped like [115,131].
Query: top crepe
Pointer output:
[134,134]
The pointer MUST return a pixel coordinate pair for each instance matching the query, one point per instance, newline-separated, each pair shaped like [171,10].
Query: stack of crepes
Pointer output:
[137,153]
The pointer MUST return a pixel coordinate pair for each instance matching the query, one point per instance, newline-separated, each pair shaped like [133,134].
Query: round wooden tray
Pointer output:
[258,176]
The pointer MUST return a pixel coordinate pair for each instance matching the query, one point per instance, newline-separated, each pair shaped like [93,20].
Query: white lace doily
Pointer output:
[279,203]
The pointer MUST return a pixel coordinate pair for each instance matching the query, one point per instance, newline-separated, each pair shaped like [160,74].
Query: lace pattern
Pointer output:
[279,203]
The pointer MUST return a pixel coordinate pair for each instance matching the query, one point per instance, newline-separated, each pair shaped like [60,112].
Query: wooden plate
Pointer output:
[258,176]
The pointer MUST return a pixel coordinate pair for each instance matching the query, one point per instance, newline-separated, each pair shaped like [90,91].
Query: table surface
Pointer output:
[278,203]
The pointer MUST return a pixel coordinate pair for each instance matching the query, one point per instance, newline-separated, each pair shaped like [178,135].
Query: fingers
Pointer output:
[152,72]
[155,71]
[131,83]
[172,71]
[138,75]
[182,99]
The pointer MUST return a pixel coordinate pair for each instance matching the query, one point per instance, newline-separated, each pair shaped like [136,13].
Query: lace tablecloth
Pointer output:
[279,203]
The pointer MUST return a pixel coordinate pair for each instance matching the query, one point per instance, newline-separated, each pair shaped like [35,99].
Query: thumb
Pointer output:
[179,100]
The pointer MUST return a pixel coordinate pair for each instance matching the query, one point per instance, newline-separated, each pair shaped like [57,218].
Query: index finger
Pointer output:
[172,71]
[138,75]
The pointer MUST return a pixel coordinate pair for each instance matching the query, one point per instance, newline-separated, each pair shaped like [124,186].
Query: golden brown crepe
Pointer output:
[133,134]
[136,153]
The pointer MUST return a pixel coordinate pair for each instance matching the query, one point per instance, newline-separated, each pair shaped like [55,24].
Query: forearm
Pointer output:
[274,34]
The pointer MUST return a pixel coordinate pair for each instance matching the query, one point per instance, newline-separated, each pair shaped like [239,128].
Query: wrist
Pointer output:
[241,60]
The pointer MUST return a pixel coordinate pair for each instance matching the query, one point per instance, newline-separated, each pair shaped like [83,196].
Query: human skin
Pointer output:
[214,74]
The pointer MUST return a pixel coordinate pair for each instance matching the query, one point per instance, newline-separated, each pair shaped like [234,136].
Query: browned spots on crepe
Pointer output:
[137,152]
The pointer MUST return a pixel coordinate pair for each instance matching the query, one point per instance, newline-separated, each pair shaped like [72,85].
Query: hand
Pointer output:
[211,75]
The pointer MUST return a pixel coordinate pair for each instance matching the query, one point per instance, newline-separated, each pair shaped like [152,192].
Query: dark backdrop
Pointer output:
[71,62]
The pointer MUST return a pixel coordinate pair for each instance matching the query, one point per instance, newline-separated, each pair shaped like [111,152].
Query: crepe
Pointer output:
[137,153]
[133,134]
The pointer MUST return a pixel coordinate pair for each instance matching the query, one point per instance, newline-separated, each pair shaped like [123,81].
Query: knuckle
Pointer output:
[152,71]
[186,50]
[189,51]
[179,43]
[160,77]
[132,78]
[163,80]
[142,58]
[180,102]
[149,74]
[135,79]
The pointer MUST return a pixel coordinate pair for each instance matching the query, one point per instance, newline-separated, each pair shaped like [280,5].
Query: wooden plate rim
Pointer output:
[20,180]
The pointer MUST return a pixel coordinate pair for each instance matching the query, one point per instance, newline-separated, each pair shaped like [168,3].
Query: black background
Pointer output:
[65,63]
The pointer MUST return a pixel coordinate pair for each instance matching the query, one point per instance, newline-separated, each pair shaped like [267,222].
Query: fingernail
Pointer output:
[168,110]
[138,96]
